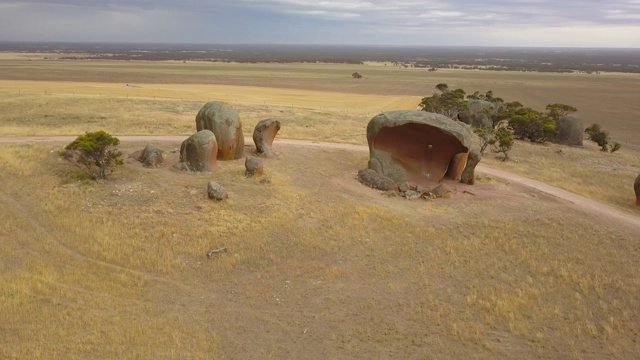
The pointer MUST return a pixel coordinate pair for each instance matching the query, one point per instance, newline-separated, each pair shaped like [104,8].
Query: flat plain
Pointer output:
[318,266]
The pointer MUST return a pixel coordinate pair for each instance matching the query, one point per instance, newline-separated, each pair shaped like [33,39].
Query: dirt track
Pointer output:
[583,203]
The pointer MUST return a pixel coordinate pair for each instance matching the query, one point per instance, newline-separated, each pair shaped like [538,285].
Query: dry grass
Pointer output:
[587,171]
[318,266]
[610,99]
[28,115]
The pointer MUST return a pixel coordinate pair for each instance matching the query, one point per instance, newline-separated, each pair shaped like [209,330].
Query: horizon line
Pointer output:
[310,45]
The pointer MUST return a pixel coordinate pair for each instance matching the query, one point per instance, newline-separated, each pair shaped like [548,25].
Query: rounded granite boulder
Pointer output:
[416,147]
[570,130]
[224,122]
[198,153]
[151,157]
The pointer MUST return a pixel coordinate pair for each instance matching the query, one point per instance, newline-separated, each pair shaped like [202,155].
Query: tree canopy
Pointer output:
[95,152]
[448,103]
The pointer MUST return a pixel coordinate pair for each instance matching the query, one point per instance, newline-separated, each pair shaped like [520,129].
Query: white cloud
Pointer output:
[325,14]
[441,14]
[490,22]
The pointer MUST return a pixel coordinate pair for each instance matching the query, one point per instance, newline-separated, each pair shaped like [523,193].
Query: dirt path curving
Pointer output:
[590,206]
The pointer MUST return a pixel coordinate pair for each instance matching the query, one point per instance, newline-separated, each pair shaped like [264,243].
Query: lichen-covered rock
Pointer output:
[225,123]
[263,135]
[636,188]
[376,180]
[468,175]
[415,146]
[151,157]
[254,166]
[215,191]
[198,153]
[570,130]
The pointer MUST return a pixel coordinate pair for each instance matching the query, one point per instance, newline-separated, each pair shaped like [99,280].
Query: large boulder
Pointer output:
[151,157]
[570,130]
[477,116]
[198,152]
[263,135]
[415,146]
[636,188]
[225,123]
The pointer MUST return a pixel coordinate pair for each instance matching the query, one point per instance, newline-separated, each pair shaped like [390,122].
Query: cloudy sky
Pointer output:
[592,23]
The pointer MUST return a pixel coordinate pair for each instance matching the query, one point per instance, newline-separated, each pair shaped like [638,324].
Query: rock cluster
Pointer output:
[416,192]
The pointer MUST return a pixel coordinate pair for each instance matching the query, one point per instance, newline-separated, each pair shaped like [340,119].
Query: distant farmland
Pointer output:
[588,60]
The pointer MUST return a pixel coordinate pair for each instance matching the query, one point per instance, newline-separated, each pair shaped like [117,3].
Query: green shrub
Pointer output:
[599,136]
[94,152]
[532,125]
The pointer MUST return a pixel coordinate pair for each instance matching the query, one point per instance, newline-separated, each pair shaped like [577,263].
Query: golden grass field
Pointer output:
[317,266]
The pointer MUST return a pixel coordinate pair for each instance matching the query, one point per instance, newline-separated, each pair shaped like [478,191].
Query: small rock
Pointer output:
[429,196]
[412,195]
[390,193]
[404,187]
[254,166]
[375,180]
[151,157]
[265,181]
[442,190]
[216,191]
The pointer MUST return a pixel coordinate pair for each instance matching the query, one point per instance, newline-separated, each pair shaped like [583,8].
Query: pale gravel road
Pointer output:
[585,204]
